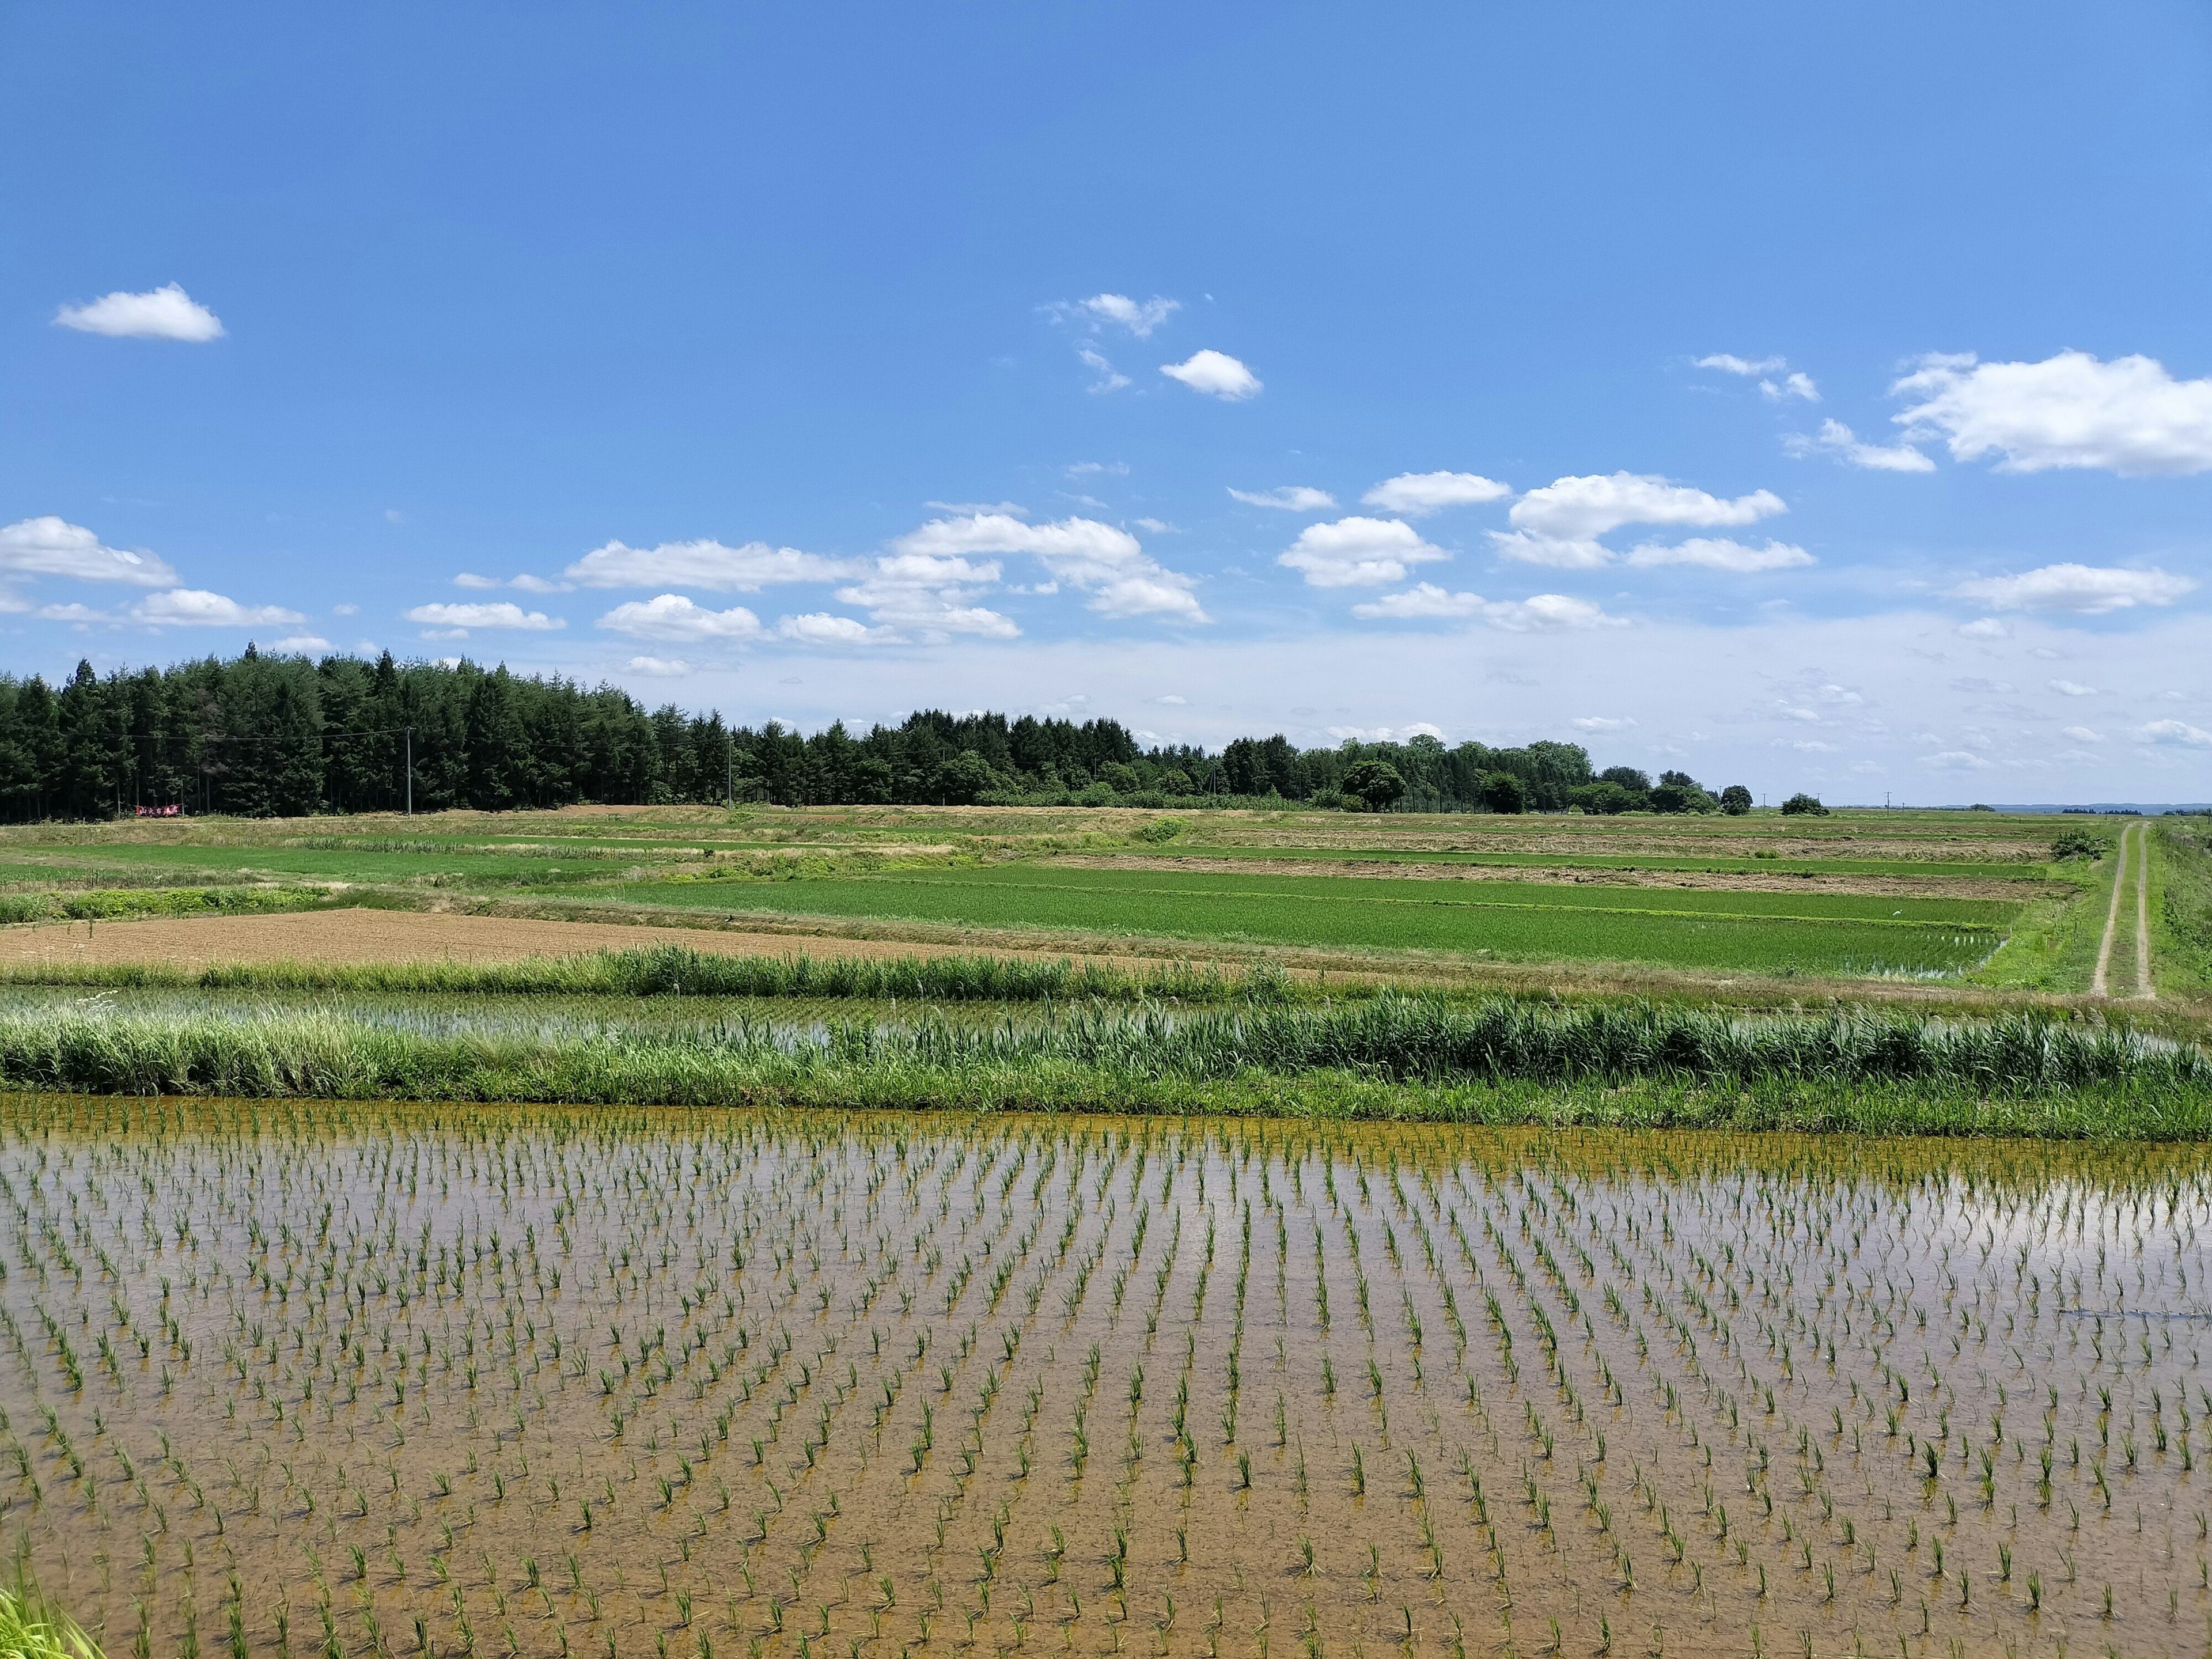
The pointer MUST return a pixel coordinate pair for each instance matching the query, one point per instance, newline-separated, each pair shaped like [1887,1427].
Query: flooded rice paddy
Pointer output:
[350,1382]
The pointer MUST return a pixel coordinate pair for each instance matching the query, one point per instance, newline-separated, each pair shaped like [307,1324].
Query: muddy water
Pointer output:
[541,1381]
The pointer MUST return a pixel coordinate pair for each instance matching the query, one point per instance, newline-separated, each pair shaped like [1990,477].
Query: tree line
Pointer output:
[259,735]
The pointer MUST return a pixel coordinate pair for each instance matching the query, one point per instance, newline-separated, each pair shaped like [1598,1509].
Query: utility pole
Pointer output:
[411,771]
[729,773]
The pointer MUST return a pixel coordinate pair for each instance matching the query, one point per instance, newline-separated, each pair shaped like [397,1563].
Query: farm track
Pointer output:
[2100,981]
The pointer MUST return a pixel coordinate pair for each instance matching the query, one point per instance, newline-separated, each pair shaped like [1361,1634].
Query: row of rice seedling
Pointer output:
[677,970]
[368,1381]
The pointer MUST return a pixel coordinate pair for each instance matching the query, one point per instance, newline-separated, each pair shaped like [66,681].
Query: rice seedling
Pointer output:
[542,1380]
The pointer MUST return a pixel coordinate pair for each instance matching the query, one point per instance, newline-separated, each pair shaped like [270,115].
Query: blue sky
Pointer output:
[1812,400]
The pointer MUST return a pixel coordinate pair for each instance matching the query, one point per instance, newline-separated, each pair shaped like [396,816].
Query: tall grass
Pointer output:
[118,903]
[1393,1056]
[678,970]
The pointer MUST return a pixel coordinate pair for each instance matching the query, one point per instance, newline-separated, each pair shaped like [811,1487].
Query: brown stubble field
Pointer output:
[349,1381]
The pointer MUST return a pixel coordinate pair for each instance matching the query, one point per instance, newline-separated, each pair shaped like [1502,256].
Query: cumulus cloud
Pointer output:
[1603,723]
[1838,439]
[2081,734]
[824,628]
[1140,318]
[163,313]
[54,547]
[1358,552]
[2180,732]
[674,618]
[1414,494]
[1986,628]
[1104,561]
[304,644]
[1215,374]
[2072,688]
[659,667]
[1792,386]
[1729,363]
[1543,613]
[1289,498]
[2128,416]
[454,621]
[931,593]
[705,564]
[195,607]
[2082,589]
[1556,552]
[1722,555]
[1574,508]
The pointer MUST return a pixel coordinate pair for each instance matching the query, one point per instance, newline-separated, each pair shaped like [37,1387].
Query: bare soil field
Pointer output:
[365,935]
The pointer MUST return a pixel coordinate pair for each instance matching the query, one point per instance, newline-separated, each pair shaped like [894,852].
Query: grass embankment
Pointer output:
[1497,1061]
[2181,903]
[129,903]
[678,970]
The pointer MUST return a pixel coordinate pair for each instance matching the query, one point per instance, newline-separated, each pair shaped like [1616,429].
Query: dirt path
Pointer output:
[2100,981]
[2144,988]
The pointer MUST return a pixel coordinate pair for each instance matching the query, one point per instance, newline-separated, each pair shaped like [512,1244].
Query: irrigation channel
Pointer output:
[354,1380]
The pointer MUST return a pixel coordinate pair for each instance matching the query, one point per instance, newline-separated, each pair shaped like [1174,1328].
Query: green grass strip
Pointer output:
[1496,1062]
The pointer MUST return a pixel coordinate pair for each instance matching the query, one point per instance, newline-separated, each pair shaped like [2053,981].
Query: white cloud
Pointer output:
[1729,363]
[1987,628]
[1796,385]
[1084,469]
[705,564]
[1722,555]
[1216,375]
[2128,416]
[68,613]
[1140,318]
[1158,527]
[1415,493]
[822,628]
[1106,562]
[1289,498]
[1358,552]
[2081,734]
[1110,379]
[50,546]
[195,607]
[671,617]
[1574,508]
[930,591]
[2072,688]
[347,610]
[469,579]
[1554,552]
[2084,590]
[1543,613]
[1955,760]
[1172,700]
[1601,723]
[2180,732]
[659,667]
[305,644]
[499,613]
[165,314]
[1837,439]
